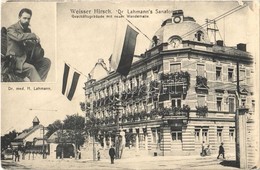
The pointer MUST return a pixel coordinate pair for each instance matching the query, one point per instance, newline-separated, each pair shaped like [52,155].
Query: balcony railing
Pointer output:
[201,84]
[202,111]
[158,113]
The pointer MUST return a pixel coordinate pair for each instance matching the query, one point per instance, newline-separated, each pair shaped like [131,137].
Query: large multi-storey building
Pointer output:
[182,91]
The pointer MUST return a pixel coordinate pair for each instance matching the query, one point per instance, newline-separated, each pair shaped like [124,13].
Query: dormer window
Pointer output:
[175,41]
[155,41]
[199,36]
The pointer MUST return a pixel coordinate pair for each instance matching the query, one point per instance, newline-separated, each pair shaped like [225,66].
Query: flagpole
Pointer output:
[75,69]
[136,28]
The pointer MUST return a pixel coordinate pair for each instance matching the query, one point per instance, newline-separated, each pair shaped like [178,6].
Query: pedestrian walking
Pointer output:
[78,154]
[208,150]
[16,155]
[221,151]
[203,147]
[112,154]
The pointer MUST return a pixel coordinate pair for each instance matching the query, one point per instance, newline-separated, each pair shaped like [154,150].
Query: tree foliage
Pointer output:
[75,126]
[7,139]
[56,125]
[72,129]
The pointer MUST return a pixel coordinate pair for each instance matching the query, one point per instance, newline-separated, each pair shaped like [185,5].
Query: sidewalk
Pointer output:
[139,162]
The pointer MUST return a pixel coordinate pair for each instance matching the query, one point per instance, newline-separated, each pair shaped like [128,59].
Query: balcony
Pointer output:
[201,85]
[175,83]
[202,111]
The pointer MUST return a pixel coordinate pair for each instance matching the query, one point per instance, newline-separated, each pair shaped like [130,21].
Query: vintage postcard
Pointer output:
[130,85]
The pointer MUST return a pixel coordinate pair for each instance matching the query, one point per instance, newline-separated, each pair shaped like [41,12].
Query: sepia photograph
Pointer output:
[130,85]
[28,42]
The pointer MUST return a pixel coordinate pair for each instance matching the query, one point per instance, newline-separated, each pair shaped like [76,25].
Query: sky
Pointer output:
[80,42]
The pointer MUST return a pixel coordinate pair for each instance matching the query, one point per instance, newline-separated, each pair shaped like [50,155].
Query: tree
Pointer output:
[56,125]
[7,139]
[75,126]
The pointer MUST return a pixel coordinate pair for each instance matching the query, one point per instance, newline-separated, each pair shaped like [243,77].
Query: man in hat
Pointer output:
[28,63]
[221,151]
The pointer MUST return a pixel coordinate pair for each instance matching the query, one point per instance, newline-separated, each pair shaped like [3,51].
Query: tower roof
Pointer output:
[180,26]
[36,120]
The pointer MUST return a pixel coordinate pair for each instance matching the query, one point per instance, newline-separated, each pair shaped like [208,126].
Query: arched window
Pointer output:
[155,41]
[175,41]
[199,36]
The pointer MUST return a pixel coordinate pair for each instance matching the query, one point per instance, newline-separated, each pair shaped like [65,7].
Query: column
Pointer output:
[141,134]
[188,141]
[122,146]
[241,128]
[136,140]
[149,138]
[166,140]
[122,133]
[213,138]
[156,137]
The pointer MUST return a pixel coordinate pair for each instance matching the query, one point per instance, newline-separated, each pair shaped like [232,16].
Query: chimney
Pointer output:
[220,43]
[241,46]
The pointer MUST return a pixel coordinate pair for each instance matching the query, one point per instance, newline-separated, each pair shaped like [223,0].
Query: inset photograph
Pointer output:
[28,42]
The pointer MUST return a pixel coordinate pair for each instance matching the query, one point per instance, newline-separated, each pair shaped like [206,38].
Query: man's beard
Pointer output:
[25,25]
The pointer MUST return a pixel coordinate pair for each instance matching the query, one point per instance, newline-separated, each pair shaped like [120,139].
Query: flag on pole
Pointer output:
[124,48]
[65,78]
[74,82]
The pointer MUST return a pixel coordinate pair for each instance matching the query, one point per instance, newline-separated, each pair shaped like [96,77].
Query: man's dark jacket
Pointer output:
[16,35]
[112,152]
[221,149]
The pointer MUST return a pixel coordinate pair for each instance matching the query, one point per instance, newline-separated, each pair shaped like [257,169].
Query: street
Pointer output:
[149,162]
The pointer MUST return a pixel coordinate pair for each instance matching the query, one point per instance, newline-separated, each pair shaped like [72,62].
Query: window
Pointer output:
[253,105]
[176,136]
[131,84]
[243,103]
[205,135]
[144,76]
[200,69]
[175,68]
[218,73]
[117,87]
[176,133]
[155,104]
[201,134]
[219,103]
[107,91]
[137,81]
[231,134]
[176,102]
[148,76]
[137,107]
[242,76]
[111,89]
[231,105]
[199,36]
[230,74]
[219,134]
[124,85]
[197,135]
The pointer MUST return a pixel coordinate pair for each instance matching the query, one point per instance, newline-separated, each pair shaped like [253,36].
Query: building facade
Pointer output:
[181,92]
[31,142]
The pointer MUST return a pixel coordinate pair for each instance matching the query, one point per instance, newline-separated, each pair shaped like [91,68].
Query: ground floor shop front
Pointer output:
[168,137]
